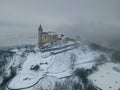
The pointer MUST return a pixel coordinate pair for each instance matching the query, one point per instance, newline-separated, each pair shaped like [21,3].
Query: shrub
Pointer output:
[116,56]
[81,73]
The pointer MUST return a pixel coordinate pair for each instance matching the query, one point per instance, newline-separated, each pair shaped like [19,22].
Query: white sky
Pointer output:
[89,18]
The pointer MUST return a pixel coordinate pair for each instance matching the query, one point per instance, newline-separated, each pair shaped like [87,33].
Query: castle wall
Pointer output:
[49,38]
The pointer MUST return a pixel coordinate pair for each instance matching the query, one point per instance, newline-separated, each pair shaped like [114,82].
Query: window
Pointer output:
[55,36]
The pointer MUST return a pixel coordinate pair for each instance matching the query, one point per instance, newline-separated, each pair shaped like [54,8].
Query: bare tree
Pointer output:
[72,62]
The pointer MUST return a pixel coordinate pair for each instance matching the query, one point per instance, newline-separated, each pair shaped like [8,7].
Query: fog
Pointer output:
[93,20]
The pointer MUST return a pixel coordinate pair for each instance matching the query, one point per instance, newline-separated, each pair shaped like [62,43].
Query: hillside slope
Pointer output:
[44,67]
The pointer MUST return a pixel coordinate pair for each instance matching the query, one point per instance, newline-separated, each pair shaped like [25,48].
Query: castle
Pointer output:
[46,37]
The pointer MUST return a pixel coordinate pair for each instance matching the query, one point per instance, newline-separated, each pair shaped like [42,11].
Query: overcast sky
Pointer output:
[94,20]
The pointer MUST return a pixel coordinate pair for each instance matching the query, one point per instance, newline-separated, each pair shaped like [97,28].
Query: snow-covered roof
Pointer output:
[52,33]
[49,33]
[107,78]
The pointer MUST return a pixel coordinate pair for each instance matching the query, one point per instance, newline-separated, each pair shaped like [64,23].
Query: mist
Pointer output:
[94,21]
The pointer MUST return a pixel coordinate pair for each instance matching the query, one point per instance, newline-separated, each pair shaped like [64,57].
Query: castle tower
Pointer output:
[40,31]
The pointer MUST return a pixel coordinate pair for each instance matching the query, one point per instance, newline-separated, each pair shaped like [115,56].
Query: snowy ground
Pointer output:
[107,78]
[24,80]
[52,67]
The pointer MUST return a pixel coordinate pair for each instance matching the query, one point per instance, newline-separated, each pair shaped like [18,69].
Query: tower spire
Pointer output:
[40,28]
[40,31]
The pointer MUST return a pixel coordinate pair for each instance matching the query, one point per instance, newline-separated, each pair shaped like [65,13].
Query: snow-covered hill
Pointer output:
[42,68]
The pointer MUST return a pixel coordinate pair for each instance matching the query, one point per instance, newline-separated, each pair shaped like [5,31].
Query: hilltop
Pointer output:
[34,67]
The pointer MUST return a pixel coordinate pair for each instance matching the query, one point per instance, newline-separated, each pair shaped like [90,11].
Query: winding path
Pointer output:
[52,53]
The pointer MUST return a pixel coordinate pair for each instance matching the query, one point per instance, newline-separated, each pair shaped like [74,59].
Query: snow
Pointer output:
[86,56]
[46,83]
[61,74]
[85,65]
[62,43]
[106,78]
[45,55]
[52,67]
[17,60]
[61,62]
[25,80]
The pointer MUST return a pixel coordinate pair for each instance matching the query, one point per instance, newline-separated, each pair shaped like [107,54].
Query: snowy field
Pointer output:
[52,67]
[107,78]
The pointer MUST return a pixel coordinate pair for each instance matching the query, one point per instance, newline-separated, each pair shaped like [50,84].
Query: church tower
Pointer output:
[40,31]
